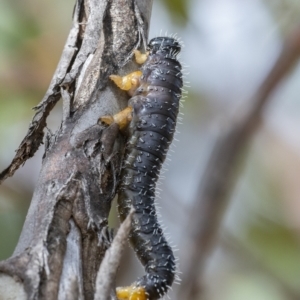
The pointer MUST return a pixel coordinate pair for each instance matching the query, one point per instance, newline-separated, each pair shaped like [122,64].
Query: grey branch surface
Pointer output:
[221,172]
[65,234]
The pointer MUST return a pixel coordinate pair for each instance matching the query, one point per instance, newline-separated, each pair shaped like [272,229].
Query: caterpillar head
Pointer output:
[167,45]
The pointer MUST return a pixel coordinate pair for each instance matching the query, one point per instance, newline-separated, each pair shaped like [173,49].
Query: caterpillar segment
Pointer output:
[149,122]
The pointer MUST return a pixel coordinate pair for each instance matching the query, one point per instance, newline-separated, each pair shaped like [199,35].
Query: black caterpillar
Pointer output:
[155,107]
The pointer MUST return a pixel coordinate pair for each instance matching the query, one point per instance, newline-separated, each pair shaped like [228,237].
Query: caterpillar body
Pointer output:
[153,113]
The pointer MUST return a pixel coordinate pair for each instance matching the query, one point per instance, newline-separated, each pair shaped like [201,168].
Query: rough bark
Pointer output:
[65,234]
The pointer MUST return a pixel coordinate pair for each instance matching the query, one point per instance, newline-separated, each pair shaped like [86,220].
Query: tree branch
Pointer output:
[64,239]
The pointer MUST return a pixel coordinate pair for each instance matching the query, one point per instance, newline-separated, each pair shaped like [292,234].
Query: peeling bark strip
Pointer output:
[65,234]
[35,134]
[101,40]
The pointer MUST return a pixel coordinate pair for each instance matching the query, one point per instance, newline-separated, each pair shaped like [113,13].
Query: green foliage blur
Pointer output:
[178,10]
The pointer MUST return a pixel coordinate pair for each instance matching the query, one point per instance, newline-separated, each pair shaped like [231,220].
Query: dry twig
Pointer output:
[109,266]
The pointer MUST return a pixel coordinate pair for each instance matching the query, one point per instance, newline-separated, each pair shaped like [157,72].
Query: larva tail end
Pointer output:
[131,293]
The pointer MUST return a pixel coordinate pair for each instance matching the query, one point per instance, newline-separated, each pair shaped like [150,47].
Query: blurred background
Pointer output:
[230,46]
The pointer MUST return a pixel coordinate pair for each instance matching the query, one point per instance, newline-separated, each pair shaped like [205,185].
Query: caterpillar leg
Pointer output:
[140,58]
[131,293]
[122,118]
[129,82]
